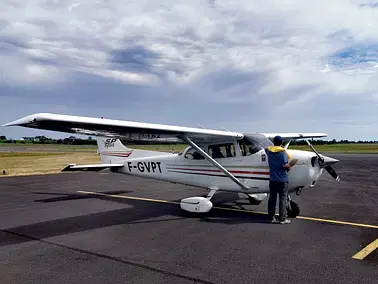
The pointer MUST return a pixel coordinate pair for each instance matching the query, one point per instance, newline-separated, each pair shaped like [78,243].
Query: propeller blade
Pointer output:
[316,152]
[287,145]
[332,172]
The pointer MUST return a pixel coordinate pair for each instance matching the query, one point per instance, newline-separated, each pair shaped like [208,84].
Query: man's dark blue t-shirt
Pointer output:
[276,161]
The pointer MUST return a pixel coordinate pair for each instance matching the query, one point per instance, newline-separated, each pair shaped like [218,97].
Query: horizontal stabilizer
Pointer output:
[91,168]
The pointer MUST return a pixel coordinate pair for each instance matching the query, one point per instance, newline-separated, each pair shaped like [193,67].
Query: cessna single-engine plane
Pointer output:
[214,160]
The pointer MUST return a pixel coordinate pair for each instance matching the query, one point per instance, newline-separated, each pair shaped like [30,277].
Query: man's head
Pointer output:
[277,140]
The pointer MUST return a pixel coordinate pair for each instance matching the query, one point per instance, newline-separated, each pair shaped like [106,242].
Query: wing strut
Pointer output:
[216,164]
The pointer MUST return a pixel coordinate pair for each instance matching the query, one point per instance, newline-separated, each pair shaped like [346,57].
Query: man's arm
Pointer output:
[286,163]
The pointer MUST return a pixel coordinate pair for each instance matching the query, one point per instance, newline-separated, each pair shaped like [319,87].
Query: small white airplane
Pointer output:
[214,160]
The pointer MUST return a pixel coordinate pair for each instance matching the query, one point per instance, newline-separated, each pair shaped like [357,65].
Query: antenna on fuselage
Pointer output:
[224,128]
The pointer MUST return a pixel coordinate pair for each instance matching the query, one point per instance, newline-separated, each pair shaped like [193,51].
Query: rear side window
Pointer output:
[222,150]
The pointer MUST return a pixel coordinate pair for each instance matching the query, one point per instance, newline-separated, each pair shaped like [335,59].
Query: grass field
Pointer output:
[47,147]
[47,159]
[17,164]
[342,148]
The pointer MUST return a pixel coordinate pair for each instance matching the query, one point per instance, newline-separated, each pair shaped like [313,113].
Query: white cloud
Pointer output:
[244,35]
[21,72]
[283,54]
[126,77]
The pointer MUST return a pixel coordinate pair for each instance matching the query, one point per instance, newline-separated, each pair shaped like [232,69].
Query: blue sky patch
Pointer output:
[355,54]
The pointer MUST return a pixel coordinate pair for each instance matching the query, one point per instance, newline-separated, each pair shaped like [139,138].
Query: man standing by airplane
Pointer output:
[279,165]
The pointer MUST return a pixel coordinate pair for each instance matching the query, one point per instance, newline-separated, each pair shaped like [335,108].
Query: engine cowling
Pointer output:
[196,204]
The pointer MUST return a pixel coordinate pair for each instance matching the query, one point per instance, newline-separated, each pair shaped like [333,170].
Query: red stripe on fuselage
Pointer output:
[116,154]
[218,171]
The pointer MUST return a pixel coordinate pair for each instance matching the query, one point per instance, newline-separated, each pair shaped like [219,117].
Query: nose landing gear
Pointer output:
[292,208]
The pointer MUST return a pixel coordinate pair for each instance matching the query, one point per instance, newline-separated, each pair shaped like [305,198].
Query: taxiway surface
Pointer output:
[57,229]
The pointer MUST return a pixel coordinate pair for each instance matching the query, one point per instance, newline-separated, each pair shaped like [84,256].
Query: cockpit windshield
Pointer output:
[249,145]
[253,143]
[260,139]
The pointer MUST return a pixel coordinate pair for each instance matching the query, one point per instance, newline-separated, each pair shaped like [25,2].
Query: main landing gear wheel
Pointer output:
[292,209]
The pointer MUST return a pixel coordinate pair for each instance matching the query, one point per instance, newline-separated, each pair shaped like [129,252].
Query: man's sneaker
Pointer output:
[286,221]
[274,220]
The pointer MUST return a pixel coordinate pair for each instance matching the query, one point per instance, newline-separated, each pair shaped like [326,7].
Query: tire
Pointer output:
[293,210]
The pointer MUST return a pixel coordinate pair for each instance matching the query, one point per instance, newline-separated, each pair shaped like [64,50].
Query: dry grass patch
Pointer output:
[16,164]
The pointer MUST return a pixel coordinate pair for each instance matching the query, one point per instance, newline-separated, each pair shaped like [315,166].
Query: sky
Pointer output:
[241,65]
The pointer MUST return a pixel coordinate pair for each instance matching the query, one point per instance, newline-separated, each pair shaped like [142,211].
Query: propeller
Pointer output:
[332,172]
[287,145]
[325,162]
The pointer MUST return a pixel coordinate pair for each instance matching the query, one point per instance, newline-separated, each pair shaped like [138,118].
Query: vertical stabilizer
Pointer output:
[112,150]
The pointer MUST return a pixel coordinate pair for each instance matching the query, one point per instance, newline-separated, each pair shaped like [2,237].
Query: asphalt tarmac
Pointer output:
[108,228]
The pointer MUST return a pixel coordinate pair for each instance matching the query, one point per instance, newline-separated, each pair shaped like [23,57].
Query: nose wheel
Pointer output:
[292,208]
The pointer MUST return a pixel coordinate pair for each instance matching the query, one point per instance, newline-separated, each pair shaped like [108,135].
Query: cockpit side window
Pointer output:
[249,147]
[192,154]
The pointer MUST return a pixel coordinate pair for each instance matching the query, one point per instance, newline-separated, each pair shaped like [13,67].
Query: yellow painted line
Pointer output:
[234,209]
[128,197]
[338,222]
[366,250]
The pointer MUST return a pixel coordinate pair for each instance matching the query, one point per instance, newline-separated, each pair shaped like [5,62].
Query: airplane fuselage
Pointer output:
[252,170]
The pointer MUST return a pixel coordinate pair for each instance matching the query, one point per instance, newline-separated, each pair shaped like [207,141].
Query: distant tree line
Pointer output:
[72,140]
[330,142]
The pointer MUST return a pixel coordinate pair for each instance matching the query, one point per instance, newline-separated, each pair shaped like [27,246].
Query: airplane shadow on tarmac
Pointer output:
[140,212]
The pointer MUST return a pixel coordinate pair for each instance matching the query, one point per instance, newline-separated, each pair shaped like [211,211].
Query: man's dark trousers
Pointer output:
[279,188]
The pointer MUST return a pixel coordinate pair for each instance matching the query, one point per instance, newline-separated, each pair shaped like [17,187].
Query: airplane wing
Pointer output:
[120,128]
[293,136]
[91,168]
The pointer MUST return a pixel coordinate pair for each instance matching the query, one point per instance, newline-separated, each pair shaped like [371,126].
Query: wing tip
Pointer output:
[27,119]
[14,123]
